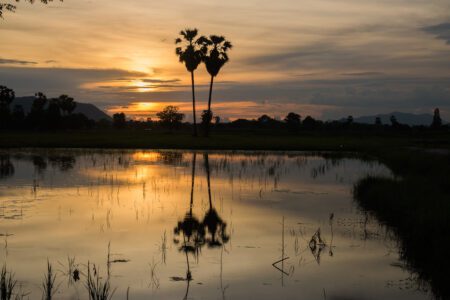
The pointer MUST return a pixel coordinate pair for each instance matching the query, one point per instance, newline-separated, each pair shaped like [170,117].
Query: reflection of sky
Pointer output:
[321,57]
[131,198]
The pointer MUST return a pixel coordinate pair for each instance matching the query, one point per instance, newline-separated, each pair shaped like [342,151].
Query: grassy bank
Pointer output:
[416,206]
[238,140]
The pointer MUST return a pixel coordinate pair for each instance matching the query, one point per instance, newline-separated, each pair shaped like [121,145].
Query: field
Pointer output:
[236,140]
[415,204]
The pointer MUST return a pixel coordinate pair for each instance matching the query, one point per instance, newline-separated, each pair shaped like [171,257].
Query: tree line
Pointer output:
[171,119]
[58,113]
[45,114]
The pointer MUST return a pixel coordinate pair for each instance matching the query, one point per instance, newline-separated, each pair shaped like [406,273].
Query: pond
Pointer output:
[195,225]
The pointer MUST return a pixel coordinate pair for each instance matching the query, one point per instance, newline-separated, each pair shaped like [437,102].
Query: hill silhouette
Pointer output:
[89,110]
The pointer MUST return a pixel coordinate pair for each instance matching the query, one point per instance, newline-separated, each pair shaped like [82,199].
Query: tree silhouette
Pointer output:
[53,113]
[215,49]
[12,7]
[191,55]
[119,120]
[18,116]
[394,121]
[66,104]
[6,97]
[36,116]
[170,116]
[437,121]
[309,122]
[350,120]
[378,121]
[293,121]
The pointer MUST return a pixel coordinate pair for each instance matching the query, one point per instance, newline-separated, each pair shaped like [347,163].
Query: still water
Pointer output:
[195,225]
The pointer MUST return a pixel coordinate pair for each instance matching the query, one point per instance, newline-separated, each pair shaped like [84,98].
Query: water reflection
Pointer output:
[242,225]
[210,231]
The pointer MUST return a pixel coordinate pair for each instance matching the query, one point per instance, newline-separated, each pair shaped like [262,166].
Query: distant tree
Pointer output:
[293,120]
[119,120]
[309,122]
[217,120]
[394,121]
[66,104]
[53,114]
[350,120]
[378,121]
[265,119]
[191,55]
[6,97]
[12,8]
[39,103]
[215,56]
[18,116]
[36,117]
[206,120]
[437,121]
[170,117]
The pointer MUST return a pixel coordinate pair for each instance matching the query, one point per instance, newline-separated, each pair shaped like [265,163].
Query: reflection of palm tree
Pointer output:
[192,231]
[212,221]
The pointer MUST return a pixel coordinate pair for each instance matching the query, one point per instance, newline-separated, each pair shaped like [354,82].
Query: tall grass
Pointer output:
[48,284]
[97,289]
[417,210]
[7,284]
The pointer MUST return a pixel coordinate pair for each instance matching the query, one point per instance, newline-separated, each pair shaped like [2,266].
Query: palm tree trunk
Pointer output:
[210,93]
[205,156]
[208,125]
[193,104]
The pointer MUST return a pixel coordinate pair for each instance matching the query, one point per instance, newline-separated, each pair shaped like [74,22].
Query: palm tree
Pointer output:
[191,55]
[216,48]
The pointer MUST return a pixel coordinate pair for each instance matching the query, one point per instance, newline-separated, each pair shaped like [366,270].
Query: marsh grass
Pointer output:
[49,287]
[97,288]
[415,206]
[7,284]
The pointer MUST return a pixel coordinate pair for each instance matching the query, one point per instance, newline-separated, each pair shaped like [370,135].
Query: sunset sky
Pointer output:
[325,58]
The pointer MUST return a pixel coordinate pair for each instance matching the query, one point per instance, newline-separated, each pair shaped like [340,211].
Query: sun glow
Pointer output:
[145,106]
[140,86]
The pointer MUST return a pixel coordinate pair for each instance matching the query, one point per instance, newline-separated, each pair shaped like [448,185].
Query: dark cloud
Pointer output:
[353,93]
[5,61]
[363,74]
[441,31]
[150,80]
[335,57]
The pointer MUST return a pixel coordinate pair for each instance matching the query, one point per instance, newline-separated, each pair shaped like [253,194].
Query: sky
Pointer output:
[324,58]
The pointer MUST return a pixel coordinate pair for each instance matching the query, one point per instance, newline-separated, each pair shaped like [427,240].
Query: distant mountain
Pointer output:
[89,110]
[402,118]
